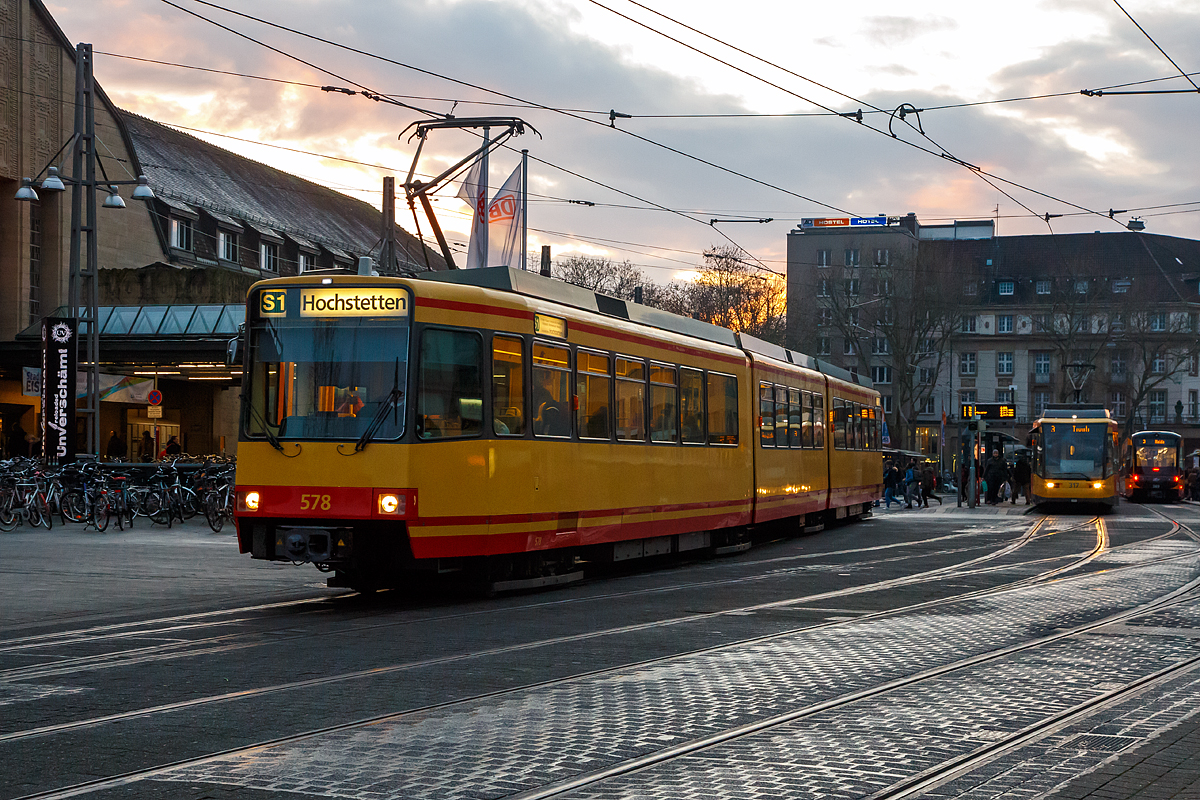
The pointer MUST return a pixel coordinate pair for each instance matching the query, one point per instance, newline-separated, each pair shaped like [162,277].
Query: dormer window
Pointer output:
[1006,288]
[182,233]
[227,246]
[268,257]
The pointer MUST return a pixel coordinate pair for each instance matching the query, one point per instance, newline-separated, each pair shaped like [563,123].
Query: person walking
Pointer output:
[1022,475]
[929,485]
[912,485]
[116,447]
[995,473]
[146,448]
[891,476]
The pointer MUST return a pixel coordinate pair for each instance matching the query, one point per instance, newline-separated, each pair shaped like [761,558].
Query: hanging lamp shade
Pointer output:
[143,191]
[114,199]
[52,183]
[26,192]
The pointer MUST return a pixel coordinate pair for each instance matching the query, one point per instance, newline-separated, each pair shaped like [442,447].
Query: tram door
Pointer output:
[160,432]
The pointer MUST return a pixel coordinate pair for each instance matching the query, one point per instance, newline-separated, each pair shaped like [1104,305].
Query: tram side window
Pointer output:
[722,409]
[664,404]
[818,420]
[631,400]
[450,387]
[781,416]
[766,414]
[874,415]
[807,422]
[860,427]
[593,385]
[551,390]
[691,405]
[839,424]
[508,386]
[795,396]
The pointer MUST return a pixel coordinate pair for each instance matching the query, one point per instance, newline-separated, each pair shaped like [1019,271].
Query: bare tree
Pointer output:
[899,313]
[1153,349]
[1078,321]
[733,294]
[602,275]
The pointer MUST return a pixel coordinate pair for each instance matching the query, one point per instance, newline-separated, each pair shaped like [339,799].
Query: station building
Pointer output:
[1018,312]
[173,271]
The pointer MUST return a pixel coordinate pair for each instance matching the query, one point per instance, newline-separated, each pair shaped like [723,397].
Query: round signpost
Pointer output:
[155,397]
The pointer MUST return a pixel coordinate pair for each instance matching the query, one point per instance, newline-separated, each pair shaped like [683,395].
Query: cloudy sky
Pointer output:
[771,133]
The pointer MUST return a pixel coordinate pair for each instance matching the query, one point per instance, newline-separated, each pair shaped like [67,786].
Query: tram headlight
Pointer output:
[1097,485]
[1050,484]
[391,504]
[248,501]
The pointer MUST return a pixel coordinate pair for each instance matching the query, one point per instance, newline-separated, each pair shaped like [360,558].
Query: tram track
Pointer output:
[1181,594]
[375,672]
[228,642]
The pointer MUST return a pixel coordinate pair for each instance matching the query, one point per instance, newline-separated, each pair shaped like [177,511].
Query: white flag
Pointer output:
[504,220]
[473,192]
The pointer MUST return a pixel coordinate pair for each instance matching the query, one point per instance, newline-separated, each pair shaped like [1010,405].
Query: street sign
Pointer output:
[154,398]
[1001,411]
[154,412]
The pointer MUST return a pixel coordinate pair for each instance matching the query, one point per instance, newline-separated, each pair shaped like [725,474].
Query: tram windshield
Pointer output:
[1156,456]
[327,378]
[1076,450]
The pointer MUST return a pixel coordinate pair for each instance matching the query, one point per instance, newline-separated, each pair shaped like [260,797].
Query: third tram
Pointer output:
[1153,466]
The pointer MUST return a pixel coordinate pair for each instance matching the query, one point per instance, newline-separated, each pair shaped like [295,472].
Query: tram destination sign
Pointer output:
[1001,411]
[341,301]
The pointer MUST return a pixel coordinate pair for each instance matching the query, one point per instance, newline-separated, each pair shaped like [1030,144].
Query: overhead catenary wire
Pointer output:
[1156,45]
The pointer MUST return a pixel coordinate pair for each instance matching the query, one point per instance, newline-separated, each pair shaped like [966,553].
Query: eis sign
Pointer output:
[60,352]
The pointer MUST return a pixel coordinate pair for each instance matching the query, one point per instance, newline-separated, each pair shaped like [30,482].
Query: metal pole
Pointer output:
[387,247]
[972,486]
[483,180]
[83,283]
[524,209]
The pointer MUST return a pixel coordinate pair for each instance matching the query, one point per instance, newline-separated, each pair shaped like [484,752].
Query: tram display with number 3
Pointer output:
[501,423]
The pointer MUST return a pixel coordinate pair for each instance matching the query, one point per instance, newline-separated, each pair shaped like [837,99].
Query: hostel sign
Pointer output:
[843,222]
[60,354]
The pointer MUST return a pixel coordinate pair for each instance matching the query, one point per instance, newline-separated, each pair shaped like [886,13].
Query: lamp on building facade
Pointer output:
[83,292]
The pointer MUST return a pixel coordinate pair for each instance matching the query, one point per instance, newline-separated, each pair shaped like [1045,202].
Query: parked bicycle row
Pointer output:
[97,495]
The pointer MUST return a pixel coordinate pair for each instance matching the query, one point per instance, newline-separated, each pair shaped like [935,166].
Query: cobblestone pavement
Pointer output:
[496,747]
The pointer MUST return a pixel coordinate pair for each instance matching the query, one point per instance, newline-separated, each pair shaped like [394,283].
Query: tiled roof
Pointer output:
[182,168]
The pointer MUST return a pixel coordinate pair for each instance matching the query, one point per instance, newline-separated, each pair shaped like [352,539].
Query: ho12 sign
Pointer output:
[1001,411]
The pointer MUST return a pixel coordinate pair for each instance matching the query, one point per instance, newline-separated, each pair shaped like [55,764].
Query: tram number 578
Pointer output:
[312,502]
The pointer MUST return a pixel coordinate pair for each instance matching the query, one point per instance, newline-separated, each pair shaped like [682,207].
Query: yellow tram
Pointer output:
[1075,455]
[497,420]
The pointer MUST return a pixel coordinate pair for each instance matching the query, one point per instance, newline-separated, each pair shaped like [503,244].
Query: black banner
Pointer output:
[60,354]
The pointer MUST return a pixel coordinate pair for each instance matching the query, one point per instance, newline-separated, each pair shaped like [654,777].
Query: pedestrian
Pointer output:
[17,444]
[890,476]
[173,448]
[912,485]
[1022,475]
[116,447]
[1193,484]
[994,474]
[928,485]
[146,448]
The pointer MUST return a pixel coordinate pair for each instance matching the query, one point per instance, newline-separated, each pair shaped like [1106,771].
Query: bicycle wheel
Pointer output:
[8,517]
[44,507]
[190,504]
[213,512]
[33,512]
[156,506]
[74,506]
[100,513]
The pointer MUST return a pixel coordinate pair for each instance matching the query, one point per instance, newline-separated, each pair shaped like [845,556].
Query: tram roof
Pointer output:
[1078,411]
[532,284]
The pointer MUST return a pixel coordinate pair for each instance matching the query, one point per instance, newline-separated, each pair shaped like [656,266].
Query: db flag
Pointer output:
[504,217]
[60,353]
[473,192]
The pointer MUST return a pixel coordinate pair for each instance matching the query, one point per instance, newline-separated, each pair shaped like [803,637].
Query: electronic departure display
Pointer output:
[989,411]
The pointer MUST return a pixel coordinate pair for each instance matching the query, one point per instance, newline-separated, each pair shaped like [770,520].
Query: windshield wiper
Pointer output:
[390,403]
[258,416]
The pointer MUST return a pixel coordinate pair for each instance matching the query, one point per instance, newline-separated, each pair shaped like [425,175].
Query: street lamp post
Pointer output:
[83,286]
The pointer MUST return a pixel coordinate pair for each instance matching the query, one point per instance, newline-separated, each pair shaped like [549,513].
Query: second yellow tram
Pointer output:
[1074,456]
